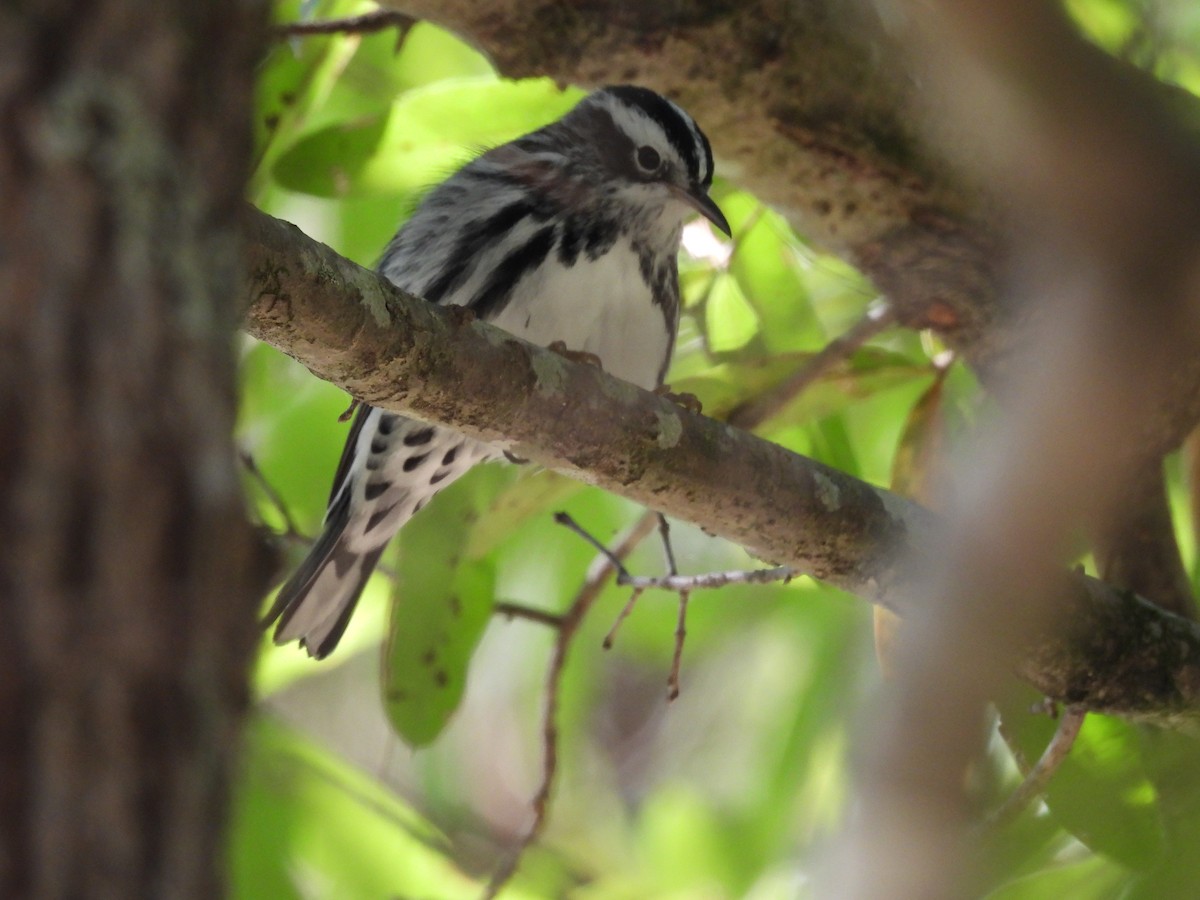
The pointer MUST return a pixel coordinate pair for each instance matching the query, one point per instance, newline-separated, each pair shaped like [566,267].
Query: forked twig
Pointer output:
[683,585]
[567,626]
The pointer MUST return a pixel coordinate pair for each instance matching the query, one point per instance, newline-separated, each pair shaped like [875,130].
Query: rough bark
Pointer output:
[129,576]
[353,328]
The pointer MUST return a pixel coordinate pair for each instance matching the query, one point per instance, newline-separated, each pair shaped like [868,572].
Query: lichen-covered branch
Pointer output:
[353,328]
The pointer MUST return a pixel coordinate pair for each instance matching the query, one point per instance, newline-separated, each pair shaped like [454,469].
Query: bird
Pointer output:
[567,237]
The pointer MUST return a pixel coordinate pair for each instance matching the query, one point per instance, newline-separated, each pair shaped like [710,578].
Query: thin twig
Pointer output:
[609,562]
[754,412]
[677,658]
[611,637]
[367,23]
[520,611]
[664,531]
[683,585]
[1043,770]
[614,561]
[707,580]
[291,531]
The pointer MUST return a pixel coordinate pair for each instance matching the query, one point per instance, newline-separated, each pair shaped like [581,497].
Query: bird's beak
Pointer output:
[697,198]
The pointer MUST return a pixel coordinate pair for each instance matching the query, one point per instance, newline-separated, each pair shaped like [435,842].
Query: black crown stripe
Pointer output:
[668,117]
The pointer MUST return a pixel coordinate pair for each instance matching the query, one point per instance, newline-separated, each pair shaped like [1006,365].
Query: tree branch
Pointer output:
[352,327]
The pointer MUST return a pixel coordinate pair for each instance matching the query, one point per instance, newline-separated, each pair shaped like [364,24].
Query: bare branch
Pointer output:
[568,625]
[520,611]
[611,638]
[677,657]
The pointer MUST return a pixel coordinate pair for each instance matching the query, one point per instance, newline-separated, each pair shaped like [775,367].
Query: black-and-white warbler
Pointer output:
[567,234]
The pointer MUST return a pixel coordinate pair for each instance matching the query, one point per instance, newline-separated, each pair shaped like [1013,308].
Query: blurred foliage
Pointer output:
[731,790]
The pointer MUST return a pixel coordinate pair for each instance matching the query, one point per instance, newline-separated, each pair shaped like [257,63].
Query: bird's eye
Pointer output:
[648,158]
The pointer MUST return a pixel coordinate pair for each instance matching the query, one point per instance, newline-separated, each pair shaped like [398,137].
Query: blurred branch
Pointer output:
[352,327]
[1106,247]
[753,413]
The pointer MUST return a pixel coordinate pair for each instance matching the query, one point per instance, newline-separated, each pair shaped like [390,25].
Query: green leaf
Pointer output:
[443,600]
[1087,878]
[724,386]
[1100,793]
[539,494]
[432,54]
[301,86]
[424,136]
[730,320]
[766,270]
[307,824]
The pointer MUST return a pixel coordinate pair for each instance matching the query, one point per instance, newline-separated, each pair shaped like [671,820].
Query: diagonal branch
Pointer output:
[350,326]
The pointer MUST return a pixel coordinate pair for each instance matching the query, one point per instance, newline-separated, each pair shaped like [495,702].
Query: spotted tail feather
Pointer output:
[391,466]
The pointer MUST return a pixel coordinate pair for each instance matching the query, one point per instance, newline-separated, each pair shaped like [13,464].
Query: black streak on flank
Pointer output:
[495,294]
[474,241]
[376,489]
[378,517]
[572,238]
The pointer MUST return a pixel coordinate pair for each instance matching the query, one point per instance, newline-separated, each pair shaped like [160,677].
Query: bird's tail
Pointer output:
[391,466]
[315,604]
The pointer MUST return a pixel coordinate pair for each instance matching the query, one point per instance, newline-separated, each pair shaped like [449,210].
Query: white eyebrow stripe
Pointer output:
[644,128]
[697,140]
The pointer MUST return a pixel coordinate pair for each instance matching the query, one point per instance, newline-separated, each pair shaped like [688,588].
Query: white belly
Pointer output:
[601,306]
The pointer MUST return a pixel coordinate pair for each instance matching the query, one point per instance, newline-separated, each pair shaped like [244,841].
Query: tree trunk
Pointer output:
[128,574]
